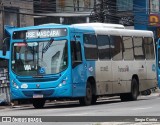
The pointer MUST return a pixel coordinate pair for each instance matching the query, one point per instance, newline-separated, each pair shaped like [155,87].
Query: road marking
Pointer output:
[142,108]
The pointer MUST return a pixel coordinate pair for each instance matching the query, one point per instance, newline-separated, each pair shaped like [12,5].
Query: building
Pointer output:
[62,11]
[148,17]
[15,13]
[81,11]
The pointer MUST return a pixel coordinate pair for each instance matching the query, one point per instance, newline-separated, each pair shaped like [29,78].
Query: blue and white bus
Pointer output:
[81,61]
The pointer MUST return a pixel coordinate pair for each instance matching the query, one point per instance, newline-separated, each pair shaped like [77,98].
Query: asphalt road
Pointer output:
[145,106]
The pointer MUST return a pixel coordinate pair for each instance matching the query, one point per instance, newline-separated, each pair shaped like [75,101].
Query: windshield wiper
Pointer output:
[44,49]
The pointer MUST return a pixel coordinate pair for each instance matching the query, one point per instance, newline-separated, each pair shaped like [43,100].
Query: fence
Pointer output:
[4,86]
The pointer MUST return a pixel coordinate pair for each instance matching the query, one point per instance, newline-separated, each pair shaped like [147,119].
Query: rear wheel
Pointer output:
[134,90]
[38,103]
[87,100]
[94,99]
[133,94]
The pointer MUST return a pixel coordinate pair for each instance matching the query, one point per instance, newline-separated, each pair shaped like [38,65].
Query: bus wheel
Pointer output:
[94,99]
[87,100]
[134,90]
[38,103]
[133,94]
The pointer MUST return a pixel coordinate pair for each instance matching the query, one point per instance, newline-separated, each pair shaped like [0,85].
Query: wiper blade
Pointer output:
[48,45]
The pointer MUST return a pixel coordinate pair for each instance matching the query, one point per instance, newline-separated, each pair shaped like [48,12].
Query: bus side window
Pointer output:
[116,47]
[76,53]
[138,48]
[149,48]
[128,48]
[103,47]
[90,47]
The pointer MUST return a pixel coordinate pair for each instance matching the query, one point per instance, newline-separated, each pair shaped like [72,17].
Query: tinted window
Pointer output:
[138,48]
[103,47]
[76,51]
[149,48]
[128,48]
[116,47]
[90,46]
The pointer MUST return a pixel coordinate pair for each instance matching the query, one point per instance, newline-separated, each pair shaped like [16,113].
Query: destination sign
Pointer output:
[41,33]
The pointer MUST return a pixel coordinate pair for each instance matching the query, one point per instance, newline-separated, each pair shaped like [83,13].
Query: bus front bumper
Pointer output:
[49,93]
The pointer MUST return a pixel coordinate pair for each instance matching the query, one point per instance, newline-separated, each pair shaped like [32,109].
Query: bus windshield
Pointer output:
[39,58]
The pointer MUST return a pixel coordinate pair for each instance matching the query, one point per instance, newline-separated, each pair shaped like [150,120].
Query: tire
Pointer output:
[132,96]
[94,99]
[38,103]
[87,100]
[134,90]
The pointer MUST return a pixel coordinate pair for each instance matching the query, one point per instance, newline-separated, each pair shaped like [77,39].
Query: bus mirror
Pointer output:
[76,63]
[4,46]
[4,50]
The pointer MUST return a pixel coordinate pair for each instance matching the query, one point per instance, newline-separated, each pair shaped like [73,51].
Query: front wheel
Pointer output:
[87,100]
[38,103]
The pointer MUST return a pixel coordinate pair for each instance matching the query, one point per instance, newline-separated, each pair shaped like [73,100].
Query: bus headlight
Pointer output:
[64,81]
[15,84]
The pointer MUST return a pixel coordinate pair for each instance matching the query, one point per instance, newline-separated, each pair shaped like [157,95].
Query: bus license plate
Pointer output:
[37,96]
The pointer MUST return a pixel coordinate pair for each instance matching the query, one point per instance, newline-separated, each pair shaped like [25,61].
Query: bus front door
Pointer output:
[78,68]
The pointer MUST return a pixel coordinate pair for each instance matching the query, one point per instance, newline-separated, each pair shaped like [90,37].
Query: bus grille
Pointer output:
[45,93]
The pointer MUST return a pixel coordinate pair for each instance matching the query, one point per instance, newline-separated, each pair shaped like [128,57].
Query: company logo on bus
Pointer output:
[123,69]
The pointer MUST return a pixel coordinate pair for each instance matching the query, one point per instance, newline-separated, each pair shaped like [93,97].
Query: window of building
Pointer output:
[90,46]
[124,5]
[11,19]
[103,47]
[116,47]
[128,48]
[138,48]
[44,6]
[154,6]
[149,48]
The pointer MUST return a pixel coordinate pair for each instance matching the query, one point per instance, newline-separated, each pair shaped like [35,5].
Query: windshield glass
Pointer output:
[39,58]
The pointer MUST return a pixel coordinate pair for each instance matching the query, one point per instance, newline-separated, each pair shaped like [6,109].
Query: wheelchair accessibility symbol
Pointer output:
[42,70]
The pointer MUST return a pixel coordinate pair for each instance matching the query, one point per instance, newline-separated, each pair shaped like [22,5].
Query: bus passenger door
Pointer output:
[78,68]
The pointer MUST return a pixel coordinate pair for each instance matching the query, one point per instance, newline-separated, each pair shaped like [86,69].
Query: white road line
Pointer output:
[142,108]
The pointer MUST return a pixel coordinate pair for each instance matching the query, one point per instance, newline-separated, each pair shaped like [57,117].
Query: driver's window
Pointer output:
[76,51]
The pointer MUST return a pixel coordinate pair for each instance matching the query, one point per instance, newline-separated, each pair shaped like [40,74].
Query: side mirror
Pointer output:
[4,46]
[76,63]
[4,50]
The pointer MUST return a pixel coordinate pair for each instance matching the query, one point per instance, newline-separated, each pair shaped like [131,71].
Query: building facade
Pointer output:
[15,13]
[81,11]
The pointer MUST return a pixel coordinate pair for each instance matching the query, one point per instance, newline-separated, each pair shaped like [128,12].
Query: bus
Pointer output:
[158,61]
[79,61]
